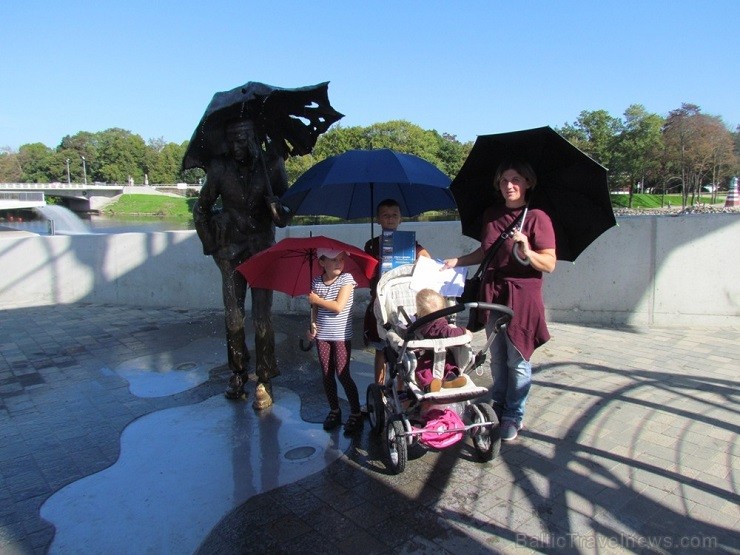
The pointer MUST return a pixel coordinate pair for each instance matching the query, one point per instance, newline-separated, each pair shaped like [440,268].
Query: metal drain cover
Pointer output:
[186,366]
[300,453]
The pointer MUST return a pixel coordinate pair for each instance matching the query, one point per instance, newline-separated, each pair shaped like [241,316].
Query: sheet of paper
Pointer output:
[427,274]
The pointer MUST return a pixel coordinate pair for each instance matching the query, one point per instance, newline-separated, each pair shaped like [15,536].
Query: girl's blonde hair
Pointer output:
[428,301]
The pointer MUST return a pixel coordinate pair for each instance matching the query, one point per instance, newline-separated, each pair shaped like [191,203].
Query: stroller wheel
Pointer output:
[396,445]
[486,438]
[375,407]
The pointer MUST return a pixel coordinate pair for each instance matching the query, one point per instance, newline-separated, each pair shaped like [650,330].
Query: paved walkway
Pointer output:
[114,438]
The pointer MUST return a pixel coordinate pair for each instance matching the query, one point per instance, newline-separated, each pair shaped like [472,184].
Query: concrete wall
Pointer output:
[650,270]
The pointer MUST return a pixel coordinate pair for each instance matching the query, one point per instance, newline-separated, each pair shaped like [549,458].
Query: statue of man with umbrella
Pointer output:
[241,142]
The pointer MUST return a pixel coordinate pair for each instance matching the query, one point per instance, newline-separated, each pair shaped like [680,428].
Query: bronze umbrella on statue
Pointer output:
[571,187]
[288,120]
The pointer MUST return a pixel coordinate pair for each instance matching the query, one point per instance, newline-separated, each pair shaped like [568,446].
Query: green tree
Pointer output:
[10,169]
[720,154]
[295,166]
[80,142]
[402,136]
[699,149]
[595,134]
[164,162]
[637,149]
[452,154]
[36,161]
[76,147]
[338,140]
[75,165]
[192,176]
[120,155]
[58,165]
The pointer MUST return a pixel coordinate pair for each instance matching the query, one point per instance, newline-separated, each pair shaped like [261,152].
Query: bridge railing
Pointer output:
[58,186]
[10,200]
[31,196]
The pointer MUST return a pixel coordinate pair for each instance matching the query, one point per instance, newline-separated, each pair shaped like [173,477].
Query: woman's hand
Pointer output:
[522,243]
[543,260]
[475,257]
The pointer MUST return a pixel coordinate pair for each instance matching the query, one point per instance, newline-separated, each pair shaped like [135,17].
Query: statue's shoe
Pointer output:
[235,390]
[262,396]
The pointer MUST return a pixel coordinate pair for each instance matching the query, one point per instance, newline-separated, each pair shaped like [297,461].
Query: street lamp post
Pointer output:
[68,178]
[84,169]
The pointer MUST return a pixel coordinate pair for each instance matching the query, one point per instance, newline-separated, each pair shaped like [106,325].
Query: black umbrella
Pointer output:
[291,119]
[571,187]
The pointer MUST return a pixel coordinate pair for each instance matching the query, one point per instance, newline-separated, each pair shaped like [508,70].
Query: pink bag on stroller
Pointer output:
[437,424]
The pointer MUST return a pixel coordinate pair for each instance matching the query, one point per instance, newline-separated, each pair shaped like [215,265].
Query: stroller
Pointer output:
[400,409]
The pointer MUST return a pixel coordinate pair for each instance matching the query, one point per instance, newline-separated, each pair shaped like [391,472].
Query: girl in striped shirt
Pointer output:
[331,297]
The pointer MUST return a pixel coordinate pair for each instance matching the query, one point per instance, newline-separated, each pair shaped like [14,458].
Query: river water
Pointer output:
[65,222]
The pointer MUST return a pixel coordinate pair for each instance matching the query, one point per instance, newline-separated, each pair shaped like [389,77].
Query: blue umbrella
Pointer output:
[348,185]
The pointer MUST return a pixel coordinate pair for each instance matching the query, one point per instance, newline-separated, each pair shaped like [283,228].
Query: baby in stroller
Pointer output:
[428,301]
[409,408]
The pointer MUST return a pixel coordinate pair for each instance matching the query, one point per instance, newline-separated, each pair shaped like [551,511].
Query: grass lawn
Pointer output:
[152,205]
[656,201]
[180,208]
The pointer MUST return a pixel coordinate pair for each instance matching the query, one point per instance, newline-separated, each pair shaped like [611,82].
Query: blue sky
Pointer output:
[466,67]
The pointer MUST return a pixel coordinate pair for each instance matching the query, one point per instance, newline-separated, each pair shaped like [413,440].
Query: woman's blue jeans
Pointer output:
[512,377]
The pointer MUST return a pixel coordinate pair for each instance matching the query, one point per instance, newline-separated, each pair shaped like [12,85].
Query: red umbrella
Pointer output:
[290,264]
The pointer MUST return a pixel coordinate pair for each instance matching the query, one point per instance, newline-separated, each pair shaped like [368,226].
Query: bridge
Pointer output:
[80,197]
[10,200]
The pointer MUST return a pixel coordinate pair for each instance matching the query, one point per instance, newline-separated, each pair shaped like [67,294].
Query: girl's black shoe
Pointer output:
[333,420]
[354,423]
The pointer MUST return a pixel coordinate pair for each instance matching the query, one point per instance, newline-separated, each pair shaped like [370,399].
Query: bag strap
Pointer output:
[497,243]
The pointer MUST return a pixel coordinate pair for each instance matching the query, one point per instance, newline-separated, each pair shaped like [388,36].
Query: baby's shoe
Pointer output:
[459,381]
[435,386]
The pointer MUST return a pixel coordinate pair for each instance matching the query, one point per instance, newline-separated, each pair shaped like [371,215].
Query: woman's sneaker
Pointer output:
[509,430]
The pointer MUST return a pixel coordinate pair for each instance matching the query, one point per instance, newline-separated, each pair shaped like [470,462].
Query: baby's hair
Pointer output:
[428,301]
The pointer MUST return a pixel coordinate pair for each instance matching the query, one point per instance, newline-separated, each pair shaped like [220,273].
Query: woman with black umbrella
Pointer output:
[513,278]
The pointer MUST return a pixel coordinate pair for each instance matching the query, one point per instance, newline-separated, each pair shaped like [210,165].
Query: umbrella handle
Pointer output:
[302,344]
[522,261]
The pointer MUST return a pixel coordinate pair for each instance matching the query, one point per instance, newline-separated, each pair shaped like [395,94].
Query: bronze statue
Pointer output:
[242,142]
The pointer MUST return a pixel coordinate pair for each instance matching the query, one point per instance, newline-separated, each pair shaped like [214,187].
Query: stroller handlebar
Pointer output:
[446,311]
[507,313]
[505,310]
